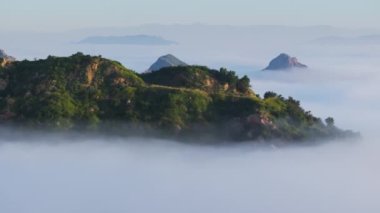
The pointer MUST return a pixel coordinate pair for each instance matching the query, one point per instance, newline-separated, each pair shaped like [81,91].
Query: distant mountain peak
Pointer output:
[284,62]
[5,59]
[3,55]
[168,60]
[141,39]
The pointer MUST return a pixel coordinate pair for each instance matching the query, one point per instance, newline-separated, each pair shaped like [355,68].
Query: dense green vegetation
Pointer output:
[199,77]
[83,91]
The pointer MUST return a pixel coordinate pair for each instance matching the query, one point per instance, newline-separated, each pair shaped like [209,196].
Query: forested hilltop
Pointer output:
[90,92]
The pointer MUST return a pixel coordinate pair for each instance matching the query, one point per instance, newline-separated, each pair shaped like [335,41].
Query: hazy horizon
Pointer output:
[41,14]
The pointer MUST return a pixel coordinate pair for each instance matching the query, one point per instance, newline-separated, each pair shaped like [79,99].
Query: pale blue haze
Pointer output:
[52,15]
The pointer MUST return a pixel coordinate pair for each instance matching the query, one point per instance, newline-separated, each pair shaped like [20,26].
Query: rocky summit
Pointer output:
[284,62]
[166,61]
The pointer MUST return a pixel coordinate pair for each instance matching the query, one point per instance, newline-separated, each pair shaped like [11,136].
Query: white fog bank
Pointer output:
[76,175]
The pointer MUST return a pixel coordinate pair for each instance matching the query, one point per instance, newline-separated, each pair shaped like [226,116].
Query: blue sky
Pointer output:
[51,15]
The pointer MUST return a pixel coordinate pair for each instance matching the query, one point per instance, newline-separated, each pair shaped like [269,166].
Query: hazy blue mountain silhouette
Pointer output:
[284,62]
[127,40]
[166,61]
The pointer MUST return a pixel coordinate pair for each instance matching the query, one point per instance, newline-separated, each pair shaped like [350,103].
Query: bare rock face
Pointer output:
[166,61]
[285,62]
[5,59]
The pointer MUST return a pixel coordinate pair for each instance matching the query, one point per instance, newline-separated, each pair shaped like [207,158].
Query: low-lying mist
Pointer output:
[74,173]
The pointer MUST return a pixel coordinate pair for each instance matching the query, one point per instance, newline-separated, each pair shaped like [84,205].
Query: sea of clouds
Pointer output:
[76,173]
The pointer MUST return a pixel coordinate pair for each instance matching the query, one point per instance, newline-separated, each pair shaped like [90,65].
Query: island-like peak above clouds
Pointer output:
[284,62]
[168,60]
[184,102]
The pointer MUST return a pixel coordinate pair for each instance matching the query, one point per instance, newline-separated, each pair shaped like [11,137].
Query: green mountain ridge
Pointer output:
[93,93]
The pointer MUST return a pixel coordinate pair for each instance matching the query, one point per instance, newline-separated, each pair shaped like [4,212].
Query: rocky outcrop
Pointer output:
[166,61]
[285,62]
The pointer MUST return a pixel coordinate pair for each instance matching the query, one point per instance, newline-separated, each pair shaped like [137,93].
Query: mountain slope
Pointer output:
[60,89]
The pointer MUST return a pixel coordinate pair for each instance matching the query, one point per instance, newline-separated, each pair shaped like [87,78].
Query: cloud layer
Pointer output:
[136,175]
[45,173]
